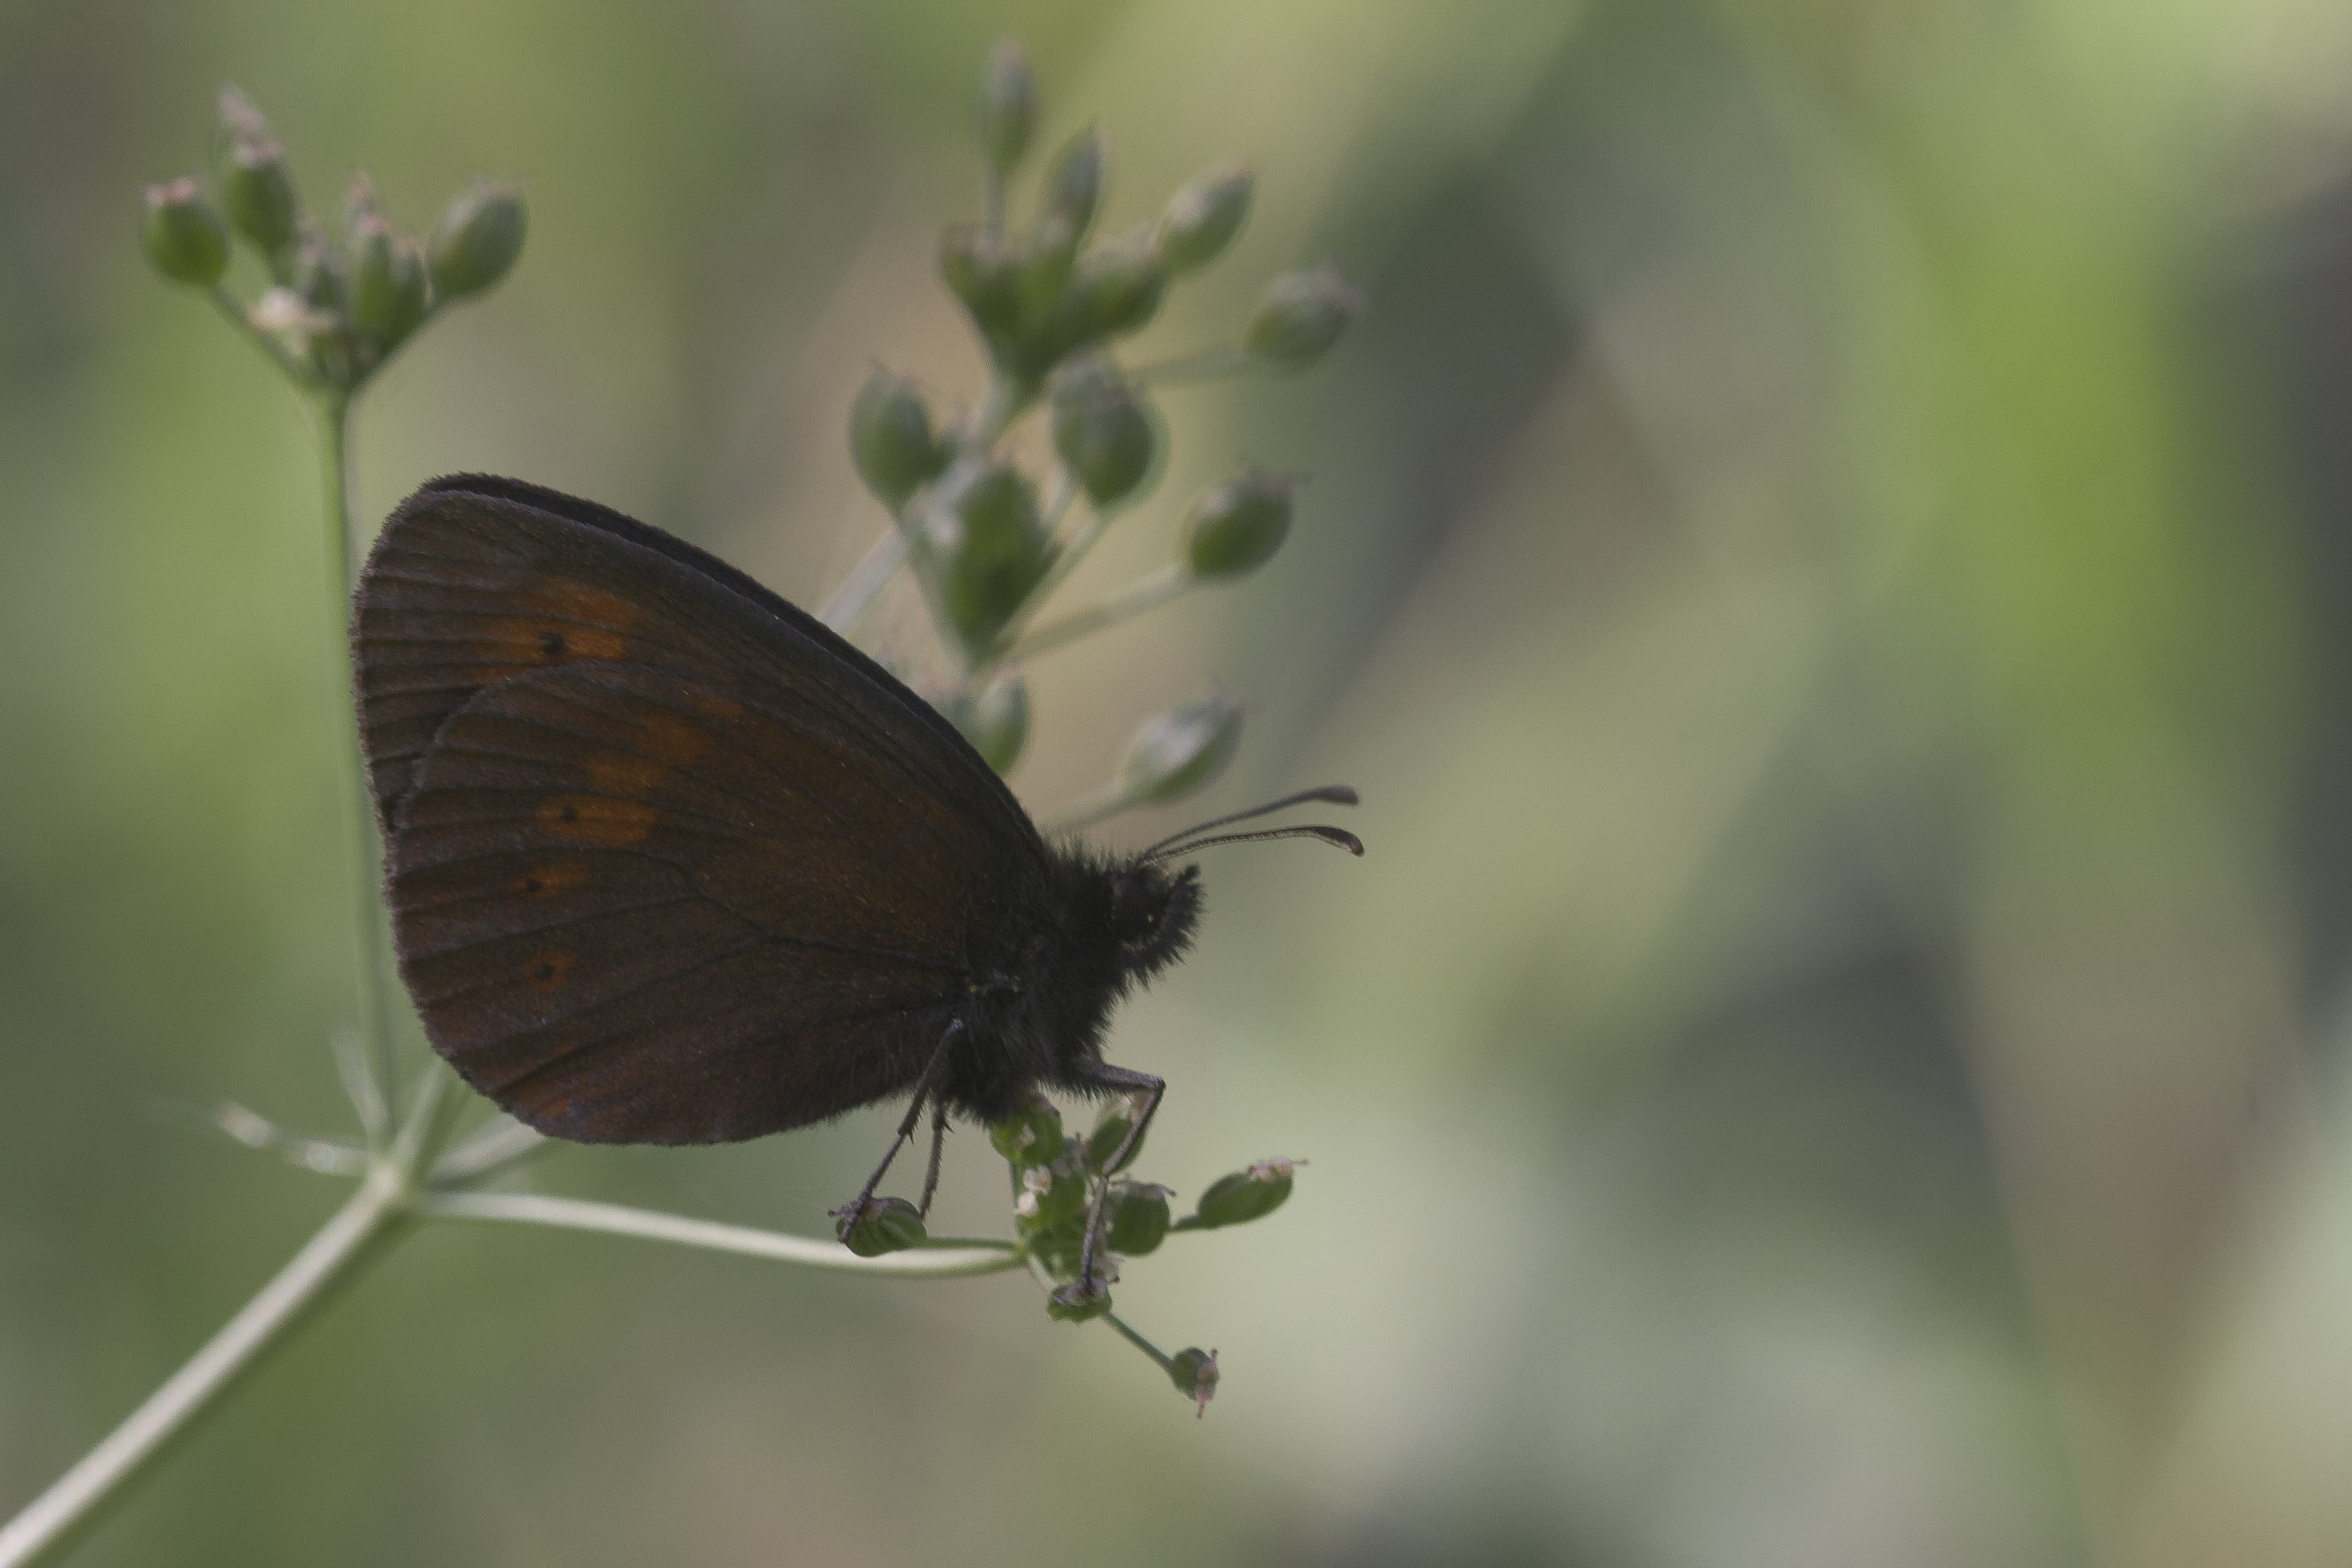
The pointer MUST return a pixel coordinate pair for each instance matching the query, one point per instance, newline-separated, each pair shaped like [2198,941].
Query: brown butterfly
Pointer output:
[670,862]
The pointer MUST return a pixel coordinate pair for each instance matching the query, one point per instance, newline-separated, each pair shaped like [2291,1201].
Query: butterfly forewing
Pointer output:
[666,864]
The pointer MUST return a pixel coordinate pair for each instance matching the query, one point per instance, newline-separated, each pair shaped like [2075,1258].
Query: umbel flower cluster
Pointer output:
[1055,305]
[338,304]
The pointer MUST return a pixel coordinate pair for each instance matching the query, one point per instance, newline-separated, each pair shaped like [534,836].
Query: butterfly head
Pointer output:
[1154,910]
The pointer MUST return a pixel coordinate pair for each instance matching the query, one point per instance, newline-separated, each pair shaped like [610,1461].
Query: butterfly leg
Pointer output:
[849,1214]
[1124,1081]
[938,1146]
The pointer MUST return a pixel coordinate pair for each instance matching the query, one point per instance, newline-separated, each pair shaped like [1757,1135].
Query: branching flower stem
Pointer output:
[332,409]
[1145,593]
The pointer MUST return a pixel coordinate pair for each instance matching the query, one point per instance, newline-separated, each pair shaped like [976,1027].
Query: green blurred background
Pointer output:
[1824,557]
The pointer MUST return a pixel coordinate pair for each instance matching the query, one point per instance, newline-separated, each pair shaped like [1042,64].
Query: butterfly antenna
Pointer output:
[1338,794]
[1338,837]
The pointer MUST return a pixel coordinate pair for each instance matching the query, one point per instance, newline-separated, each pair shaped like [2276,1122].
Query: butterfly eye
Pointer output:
[1137,901]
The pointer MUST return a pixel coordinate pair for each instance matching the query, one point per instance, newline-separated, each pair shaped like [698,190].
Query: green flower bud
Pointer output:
[891,438]
[992,551]
[1246,1195]
[387,281]
[1194,1373]
[980,270]
[1237,526]
[184,237]
[1109,1128]
[477,240]
[1051,1197]
[1136,1218]
[996,721]
[1300,315]
[257,193]
[1202,219]
[1179,751]
[1007,107]
[1104,436]
[1078,1300]
[1031,1135]
[1112,291]
[317,277]
[1046,259]
[1073,188]
[884,1225]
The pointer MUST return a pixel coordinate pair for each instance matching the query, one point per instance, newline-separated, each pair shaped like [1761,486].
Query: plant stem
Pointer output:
[613,1220]
[234,311]
[359,1231]
[848,604]
[333,408]
[1143,594]
[1167,1363]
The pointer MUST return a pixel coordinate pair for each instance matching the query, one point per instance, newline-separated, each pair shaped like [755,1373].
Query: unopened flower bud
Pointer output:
[1111,1127]
[1137,1219]
[1052,1197]
[981,271]
[991,553]
[997,724]
[1237,526]
[477,240]
[1300,315]
[1007,108]
[891,438]
[1194,1373]
[1073,188]
[883,1225]
[1246,1195]
[1031,1135]
[1112,291]
[317,277]
[1103,435]
[257,193]
[1178,751]
[1202,219]
[184,237]
[1078,1300]
[387,281]
[1044,271]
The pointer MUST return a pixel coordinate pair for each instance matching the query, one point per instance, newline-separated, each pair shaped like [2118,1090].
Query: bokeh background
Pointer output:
[1825,557]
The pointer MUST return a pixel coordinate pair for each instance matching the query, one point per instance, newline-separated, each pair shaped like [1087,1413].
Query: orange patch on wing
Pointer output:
[624,773]
[718,707]
[567,621]
[598,819]
[552,879]
[664,742]
[547,971]
[671,738]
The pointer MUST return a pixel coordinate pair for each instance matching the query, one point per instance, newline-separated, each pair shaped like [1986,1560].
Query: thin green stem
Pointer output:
[233,309]
[333,410]
[613,1220]
[848,604]
[59,1516]
[1167,1363]
[1144,593]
